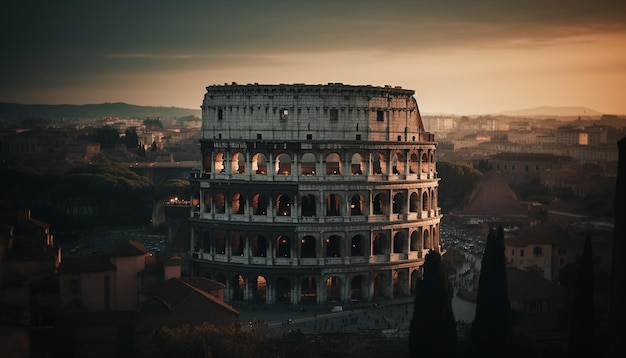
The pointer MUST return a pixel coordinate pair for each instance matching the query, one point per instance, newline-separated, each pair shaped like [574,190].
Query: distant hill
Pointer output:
[553,111]
[18,112]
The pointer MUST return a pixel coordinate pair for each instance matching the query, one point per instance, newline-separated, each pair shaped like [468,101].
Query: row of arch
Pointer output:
[308,205]
[246,244]
[363,286]
[309,163]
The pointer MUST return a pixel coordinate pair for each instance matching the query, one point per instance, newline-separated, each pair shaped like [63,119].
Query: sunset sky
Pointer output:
[460,56]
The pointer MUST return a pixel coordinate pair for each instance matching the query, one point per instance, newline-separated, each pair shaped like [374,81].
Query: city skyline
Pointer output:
[460,58]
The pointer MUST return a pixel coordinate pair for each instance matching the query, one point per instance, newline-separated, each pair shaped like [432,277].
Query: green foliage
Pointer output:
[174,188]
[210,341]
[433,327]
[456,185]
[107,136]
[153,123]
[113,193]
[491,333]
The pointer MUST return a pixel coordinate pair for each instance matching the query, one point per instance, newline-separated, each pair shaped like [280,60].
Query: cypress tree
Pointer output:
[491,332]
[580,343]
[433,328]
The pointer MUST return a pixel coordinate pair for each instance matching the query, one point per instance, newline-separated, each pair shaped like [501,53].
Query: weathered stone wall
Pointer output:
[318,112]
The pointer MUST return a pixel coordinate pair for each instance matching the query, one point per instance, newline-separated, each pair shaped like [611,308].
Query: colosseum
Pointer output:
[313,193]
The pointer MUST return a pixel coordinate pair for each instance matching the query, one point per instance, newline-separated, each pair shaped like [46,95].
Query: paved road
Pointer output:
[393,316]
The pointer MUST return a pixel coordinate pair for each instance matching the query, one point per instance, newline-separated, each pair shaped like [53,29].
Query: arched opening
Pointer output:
[220,203]
[399,243]
[416,243]
[238,163]
[236,245]
[258,246]
[356,166]
[428,243]
[378,163]
[307,247]
[308,205]
[283,290]
[259,205]
[207,162]
[357,288]
[237,285]
[207,201]
[395,283]
[432,200]
[398,203]
[206,242]
[414,203]
[259,293]
[415,276]
[333,246]
[380,283]
[356,205]
[413,164]
[308,290]
[219,163]
[283,205]
[425,201]
[333,164]
[237,204]
[196,201]
[220,243]
[283,246]
[380,245]
[259,164]
[356,245]
[397,164]
[424,163]
[283,164]
[307,164]
[378,204]
[333,205]
[333,289]
[432,163]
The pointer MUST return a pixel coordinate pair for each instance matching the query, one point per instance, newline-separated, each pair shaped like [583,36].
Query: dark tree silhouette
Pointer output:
[433,328]
[581,333]
[491,332]
[131,138]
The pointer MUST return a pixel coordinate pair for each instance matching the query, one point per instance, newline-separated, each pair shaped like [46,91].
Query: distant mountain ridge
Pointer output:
[18,112]
[553,111]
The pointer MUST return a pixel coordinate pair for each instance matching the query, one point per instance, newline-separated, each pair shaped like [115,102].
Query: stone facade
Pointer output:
[313,193]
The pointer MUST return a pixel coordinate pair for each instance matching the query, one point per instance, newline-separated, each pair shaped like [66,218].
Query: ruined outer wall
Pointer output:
[319,112]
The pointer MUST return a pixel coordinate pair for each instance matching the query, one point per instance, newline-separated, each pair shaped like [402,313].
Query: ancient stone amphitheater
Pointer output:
[313,193]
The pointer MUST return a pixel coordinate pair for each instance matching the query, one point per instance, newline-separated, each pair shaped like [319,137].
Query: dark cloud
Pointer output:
[46,41]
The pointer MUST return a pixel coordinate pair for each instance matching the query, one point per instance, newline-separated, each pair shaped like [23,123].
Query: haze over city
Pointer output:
[460,57]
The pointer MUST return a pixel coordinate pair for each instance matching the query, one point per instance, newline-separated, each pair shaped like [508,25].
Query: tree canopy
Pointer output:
[456,185]
[433,327]
[491,333]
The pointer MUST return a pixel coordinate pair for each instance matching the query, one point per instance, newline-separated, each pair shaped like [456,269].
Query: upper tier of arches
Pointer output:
[418,162]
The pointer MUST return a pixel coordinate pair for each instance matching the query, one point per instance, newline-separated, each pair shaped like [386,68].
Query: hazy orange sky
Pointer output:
[460,57]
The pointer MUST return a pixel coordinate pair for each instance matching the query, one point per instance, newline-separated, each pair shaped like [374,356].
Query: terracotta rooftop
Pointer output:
[203,283]
[175,291]
[127,248]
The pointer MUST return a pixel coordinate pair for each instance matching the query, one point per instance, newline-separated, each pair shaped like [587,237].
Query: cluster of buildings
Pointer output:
[50,304]
[305,194]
